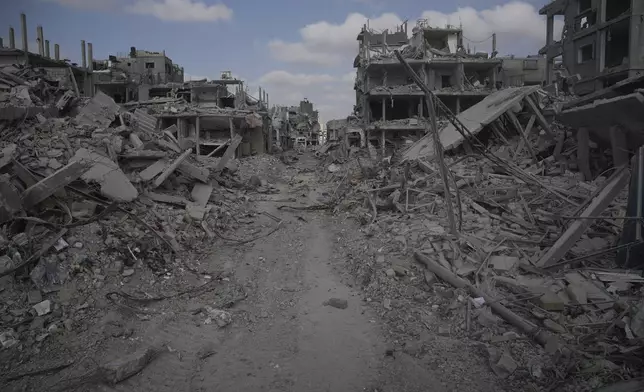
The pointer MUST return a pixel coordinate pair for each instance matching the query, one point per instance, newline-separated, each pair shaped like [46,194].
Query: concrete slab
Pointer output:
[100,111]
[475,119]
[114,184]
[626,111]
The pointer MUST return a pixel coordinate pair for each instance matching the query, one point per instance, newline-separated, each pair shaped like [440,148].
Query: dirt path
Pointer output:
[283,337]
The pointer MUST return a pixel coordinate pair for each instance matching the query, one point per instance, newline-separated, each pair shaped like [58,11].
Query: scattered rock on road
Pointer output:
[336,303]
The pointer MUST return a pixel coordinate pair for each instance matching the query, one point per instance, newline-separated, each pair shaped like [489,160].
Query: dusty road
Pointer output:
[285,336]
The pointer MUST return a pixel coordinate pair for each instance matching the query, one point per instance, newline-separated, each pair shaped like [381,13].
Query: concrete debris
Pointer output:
[336,303]
[220,317]
[128,365]
[113,182]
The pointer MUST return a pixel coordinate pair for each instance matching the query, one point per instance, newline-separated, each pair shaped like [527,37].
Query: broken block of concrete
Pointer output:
[128,365]
[201,193]
[114,184]
[171,168]
[551,301]
[153,170]
[10,202]
[100,111]
[48,186]
[195,211]
[503,263]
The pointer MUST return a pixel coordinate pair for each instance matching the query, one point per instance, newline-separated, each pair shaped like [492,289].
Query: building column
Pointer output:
[382,142]
[431,83]
[583,153]
[56,52]
[23,29]
[460,75]
[83,55]
[550,30]
[41,40]
[618,146]
[47,52]
[384,105]
[197,134]
[458,105]
[12,38]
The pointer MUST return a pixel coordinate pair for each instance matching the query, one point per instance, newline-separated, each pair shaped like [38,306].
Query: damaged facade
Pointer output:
[391,106]
[602,41]
[121,77]
[293,125]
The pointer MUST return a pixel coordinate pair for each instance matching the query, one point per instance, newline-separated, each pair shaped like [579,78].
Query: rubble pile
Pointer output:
[534,246]
[91,194]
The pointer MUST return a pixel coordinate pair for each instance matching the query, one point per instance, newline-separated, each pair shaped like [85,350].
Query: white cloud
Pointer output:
[181,10]
[333,46]
[329,44]
[519,27]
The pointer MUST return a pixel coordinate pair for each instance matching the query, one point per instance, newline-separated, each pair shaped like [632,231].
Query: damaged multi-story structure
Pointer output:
[390,104]
[295,124]
[602,41]
[129,77]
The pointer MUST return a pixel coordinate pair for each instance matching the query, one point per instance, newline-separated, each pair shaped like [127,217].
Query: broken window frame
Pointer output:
[147,65]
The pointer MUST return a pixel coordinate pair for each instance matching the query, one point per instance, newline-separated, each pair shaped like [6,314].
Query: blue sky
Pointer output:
[292,48]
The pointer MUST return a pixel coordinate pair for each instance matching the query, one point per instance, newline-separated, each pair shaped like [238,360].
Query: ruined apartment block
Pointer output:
[295,124]
[390,104]
[602,41]
[129,77]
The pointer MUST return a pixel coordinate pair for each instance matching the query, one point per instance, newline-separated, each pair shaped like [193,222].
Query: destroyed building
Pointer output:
[76,77]
[601,42]
[129,77]
[391,106]
[522,71]
[292,122]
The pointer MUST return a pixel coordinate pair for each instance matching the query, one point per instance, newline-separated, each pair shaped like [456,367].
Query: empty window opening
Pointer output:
[617,8]
[227,102]
[617,44]
[531,64]
[149,65]
[586,53]
[446,81]
[400,109]
[585,5]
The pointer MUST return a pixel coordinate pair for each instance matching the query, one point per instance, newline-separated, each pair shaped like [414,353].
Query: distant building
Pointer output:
[522,71]
[120,76]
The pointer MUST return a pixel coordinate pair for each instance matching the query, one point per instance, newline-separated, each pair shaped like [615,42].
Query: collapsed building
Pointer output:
[126,77]
[391,106]
[295,124]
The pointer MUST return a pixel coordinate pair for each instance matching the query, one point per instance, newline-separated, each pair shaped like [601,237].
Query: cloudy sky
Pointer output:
[292,48]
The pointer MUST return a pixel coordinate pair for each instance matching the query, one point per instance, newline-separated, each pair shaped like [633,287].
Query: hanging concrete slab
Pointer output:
[474,119]
[100,111]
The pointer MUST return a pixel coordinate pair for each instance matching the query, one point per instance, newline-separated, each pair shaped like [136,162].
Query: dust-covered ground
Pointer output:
[282,313]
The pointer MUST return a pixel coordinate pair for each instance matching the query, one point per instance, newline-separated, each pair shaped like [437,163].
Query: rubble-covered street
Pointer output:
[475,224]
